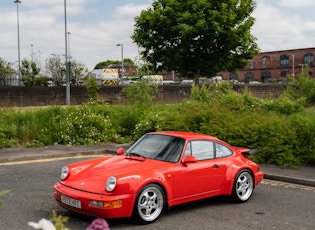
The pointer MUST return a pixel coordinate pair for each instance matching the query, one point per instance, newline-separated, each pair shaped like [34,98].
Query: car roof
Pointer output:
[186,135]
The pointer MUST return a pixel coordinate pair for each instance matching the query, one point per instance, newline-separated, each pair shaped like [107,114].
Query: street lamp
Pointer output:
[122,59]
[302,65]
[67,63]
[18,31]
[68,33]
[32,53]
[293,65]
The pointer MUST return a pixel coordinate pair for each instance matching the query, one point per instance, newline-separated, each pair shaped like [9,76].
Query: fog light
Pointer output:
[96,203]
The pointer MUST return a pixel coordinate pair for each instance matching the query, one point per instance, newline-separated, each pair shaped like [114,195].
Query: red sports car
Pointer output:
[160,170]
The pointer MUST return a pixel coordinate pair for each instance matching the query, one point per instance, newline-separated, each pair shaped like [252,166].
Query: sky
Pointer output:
[96,27]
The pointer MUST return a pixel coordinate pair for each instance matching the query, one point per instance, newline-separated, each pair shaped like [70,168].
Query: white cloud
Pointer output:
[277,29]
[96,27]
[296,4]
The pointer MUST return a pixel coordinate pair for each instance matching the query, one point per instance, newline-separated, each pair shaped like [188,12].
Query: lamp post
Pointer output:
[67,63]
[32,53]
[293,65]
[302,65]
[122,59]
[68,33]
[18,32]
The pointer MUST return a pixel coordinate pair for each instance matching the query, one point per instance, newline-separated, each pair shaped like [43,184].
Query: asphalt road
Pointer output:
[274,205]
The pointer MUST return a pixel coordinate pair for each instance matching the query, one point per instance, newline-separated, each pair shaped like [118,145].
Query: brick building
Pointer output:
[274,66]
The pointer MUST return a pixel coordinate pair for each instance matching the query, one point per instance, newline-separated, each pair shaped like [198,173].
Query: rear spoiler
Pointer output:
[246,151]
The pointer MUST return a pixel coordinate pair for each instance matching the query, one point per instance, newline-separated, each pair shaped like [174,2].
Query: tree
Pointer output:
[105,64]
[29,72]
[92,88]
[196,38]
[78,72]
[56,68]
[6,71]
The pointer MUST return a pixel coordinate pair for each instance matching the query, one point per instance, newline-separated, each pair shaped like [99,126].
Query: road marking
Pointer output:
[288,185]
[51,159]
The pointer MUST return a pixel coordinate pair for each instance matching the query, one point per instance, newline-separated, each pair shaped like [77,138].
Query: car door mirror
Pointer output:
[120,151]
[189,159]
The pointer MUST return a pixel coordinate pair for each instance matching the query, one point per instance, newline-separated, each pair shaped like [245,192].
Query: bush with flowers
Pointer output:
[57,223]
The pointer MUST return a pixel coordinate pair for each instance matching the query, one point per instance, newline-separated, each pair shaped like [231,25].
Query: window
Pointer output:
[264,62]
[266,77]
[283,73]
[249,77]
[233,76]
[284,60]
[308,59]
[202,150]
[222,151]
[251,64]
[158,147]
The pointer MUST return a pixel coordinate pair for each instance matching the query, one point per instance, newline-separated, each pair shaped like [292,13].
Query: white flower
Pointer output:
[42,224]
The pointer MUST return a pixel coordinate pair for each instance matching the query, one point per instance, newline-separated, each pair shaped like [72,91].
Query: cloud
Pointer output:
[277,29]
[296,4]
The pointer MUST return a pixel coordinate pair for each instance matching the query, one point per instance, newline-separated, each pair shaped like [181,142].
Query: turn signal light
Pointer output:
[106,204]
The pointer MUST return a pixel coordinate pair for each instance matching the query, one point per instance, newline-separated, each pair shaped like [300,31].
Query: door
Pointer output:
[201,177]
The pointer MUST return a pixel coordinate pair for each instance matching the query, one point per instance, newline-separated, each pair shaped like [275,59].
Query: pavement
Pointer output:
[304,175]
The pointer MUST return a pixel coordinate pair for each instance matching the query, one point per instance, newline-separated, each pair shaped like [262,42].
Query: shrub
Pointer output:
[92,88]
[77,126]
[140,93]
[303,86]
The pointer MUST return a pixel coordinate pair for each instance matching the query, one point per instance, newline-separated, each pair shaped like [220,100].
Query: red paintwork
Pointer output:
[182,182]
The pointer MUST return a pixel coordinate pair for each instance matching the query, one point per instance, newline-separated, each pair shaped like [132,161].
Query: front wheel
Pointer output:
[149,204]
[243,186]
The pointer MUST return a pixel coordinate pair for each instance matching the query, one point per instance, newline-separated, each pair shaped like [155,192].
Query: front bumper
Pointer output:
[86,208]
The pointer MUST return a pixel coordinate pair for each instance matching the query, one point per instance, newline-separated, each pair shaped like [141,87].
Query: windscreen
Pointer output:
[158,147]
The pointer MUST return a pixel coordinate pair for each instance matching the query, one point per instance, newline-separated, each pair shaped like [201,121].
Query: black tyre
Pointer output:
[243,186]
[149,204]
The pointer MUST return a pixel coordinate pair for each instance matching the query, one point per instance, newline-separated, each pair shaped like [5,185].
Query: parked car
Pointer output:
[159,171]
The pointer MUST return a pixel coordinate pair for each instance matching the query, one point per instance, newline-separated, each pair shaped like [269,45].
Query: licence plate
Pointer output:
[71,202]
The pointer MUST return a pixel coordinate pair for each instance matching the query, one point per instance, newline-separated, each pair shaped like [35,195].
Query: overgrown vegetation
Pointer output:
[283,129]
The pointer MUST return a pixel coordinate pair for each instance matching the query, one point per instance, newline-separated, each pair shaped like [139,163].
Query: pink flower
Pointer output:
[98,224]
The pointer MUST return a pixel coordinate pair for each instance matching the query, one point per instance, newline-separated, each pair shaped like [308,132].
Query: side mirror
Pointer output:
[120,151]
[189,159]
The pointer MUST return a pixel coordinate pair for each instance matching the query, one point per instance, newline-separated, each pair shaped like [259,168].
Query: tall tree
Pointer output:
[78,72]
[29,71]
[6,71]
[55,67]
[196,38]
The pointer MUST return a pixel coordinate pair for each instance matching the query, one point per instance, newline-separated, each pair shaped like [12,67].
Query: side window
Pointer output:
[188,150]
[202,150]
[222,151]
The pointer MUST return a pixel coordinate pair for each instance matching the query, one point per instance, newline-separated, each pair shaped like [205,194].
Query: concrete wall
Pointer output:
[41,96]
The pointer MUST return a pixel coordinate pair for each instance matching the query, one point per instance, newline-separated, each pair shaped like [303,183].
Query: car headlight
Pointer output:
[64,173]
[111,184]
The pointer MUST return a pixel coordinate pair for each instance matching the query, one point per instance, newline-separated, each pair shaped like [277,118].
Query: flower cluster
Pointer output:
[44,224]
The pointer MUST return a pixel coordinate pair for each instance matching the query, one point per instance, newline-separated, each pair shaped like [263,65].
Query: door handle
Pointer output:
[216,166]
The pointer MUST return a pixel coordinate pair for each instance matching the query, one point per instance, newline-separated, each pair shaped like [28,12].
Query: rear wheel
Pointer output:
[149,204]
[243,186]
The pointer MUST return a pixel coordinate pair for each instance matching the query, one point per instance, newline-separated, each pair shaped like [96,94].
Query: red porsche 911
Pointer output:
[160,170]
